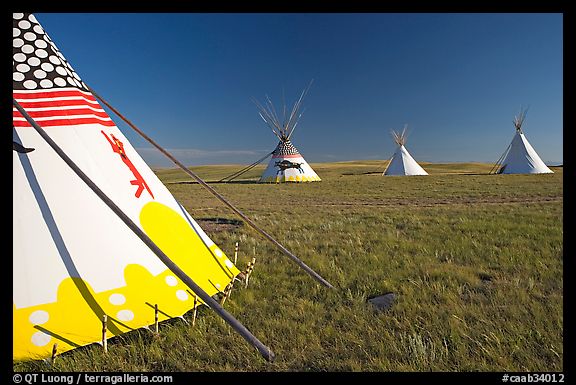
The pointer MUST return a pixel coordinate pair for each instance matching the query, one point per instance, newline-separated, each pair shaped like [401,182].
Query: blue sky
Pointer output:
[457,79]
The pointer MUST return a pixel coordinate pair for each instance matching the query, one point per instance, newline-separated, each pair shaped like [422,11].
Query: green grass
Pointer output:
[476,261]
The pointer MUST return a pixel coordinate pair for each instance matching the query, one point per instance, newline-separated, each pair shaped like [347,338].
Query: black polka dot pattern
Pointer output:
[285,148]
[37,64]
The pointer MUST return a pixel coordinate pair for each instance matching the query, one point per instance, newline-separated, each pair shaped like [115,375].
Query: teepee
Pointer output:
[286,164]
[402,163]
[82,198]
[520,157]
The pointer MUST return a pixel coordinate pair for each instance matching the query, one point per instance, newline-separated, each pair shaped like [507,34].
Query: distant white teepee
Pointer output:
[520,157]
[286,164]
[402,162]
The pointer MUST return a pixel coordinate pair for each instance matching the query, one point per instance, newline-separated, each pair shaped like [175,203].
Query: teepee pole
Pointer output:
[208,300]
[396,137]
[388,165]
[217,195]
[291,125]
[235,175]
[499,161]
[269,119]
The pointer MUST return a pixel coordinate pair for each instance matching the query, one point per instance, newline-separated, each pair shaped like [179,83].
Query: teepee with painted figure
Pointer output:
[95,232]
[520,157]
[286,164]
[402,163]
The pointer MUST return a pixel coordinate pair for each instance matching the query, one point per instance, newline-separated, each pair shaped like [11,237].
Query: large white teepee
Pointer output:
[402,162]
[286,164]
[74,259]
[520,157]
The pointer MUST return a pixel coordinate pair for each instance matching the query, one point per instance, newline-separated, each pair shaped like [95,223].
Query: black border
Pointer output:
[373,6]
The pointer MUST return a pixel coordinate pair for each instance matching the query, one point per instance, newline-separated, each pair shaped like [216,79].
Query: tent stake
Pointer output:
[249,270]
[104,329]
[236,253]
[54,351]
[208,300]
[286,252]
[227,292]
[156,318]
[195,310]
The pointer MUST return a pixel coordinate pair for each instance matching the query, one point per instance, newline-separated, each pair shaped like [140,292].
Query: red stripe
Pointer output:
[58,103]
[67,112]
[61,114]
[65,122]
[51,94]
[287,156]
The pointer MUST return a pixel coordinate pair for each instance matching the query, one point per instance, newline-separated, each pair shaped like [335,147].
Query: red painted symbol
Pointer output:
[118,147]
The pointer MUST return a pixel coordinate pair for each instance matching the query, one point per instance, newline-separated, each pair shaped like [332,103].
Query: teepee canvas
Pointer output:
[520,157]
[286,164]
[402,163]
[74,260]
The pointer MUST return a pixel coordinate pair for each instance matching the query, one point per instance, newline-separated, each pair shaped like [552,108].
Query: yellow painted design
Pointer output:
[172,233]
[75,319]
[296,179]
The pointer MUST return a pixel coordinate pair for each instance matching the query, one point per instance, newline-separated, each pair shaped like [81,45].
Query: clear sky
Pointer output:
[456,79]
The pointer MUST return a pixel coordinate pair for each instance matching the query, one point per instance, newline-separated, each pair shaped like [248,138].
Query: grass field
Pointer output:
[475,261]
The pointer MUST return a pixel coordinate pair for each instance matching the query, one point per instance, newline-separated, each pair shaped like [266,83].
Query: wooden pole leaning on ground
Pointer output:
[286,252]
[496,166]
[208,300]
